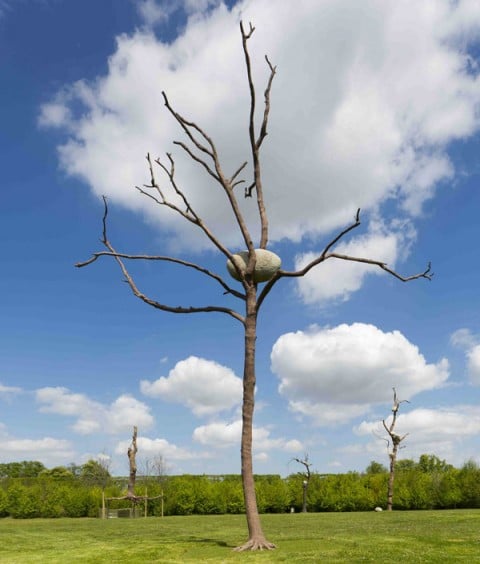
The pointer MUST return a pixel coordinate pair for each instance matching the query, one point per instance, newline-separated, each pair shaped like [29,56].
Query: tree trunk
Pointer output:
[391,477]
[256,538]
[132,453]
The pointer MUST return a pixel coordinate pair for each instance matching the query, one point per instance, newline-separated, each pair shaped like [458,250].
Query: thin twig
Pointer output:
[325,255]
[185,263]
[146,299]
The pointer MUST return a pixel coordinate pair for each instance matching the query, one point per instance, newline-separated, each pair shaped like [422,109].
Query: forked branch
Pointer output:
[392,454]
[256,142]
[305,462]
[158,305]
[391,427]
[326,254]
[189,212]
[216,172]
[187,264]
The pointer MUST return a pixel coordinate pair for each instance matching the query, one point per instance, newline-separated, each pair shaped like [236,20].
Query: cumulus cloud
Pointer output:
[46,449]
[388,86]
[157,447]
[439,430]
[337,279]
[92,416]
[221,434]
[473,365]
[463,338]
[335,374]
[153,12]
[204,386]
[7,391]
[470,343]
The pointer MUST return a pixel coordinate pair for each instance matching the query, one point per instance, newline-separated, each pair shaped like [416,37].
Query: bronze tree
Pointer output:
[200,147]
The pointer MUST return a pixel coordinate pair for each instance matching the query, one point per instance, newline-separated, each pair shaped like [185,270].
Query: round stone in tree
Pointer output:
[267,264]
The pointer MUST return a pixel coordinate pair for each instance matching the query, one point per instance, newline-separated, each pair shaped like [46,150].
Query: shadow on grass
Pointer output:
[211,541]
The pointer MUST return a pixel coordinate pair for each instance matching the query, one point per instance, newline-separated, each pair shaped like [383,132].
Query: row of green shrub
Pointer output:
[431,485]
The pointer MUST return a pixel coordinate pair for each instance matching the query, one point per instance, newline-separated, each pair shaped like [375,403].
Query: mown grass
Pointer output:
[421,536]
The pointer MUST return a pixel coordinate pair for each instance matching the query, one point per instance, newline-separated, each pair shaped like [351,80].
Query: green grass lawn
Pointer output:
[410,536]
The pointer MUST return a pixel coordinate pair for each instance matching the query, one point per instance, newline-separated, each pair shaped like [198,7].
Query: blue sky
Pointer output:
[375,105]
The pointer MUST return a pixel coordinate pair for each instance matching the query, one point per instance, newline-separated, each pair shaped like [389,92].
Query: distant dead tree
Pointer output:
[132,477]
[306,479]
[393,446]
[251,267]
[132,463]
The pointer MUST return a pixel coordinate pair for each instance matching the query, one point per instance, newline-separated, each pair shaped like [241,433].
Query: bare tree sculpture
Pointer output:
[132,465]
[200,147]
[306,479]
[394,446]
[132,478]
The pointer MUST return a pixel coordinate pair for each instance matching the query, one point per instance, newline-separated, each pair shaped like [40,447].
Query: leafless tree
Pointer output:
[393,446]
[200,147]
[132,477]
[306,479]
[132,465]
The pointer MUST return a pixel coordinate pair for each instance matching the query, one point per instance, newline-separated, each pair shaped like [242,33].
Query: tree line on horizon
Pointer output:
[29,490]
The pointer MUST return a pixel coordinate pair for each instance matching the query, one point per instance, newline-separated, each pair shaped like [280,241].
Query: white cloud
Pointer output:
[55,115]
[47,449]
[338,279]
[464,339]
[153,12]
[221,434]
[92,416]
[388,86]
[441,431]
[473,365]
[335,374]
[149,448]
[204,386]
[7,391]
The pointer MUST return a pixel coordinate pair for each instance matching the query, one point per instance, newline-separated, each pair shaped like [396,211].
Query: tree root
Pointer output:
[256,543]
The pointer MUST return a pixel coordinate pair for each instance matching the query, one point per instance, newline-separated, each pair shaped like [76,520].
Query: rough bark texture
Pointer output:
[256,538]
[395,440]
[132,478]
[132,463]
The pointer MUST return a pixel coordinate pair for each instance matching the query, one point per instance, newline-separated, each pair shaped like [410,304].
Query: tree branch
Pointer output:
[396,406]
[307,465]
[190,214]
[218,175]
[146,299]
[325,255]
[255,143]
[197,159]
[263,127]
[219,279]
[164,307]
[185,125]
[237,172]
